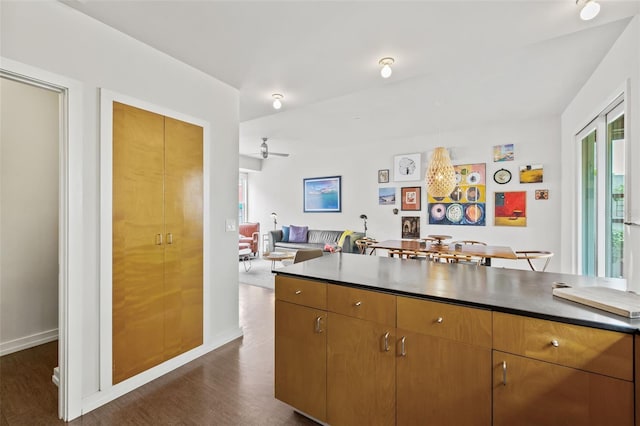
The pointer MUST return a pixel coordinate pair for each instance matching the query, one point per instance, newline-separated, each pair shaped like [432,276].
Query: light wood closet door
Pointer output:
[183,231]
[138,256]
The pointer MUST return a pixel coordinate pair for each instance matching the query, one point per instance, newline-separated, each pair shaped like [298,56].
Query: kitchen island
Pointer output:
[375,340]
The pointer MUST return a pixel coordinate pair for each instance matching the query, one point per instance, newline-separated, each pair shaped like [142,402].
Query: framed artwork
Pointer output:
[511,208]
[322,195]
[406,167]
[383,176]
[467,202]
[503,152]
[542,194]
[410,226]
[531,173]
[411,198]
[386,196]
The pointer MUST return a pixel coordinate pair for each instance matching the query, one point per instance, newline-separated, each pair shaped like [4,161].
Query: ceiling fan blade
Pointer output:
[279,154]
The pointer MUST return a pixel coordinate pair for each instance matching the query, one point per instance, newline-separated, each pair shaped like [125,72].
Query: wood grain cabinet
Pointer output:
[157,239]
[360,357]
[301,345]
[550,373]
[443,354]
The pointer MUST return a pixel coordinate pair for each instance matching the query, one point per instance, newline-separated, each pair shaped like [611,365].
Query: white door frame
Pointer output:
[70,257]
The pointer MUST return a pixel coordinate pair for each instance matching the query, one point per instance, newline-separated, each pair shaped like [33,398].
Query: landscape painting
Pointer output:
[322,195]
[503,152]
[386,196]
[531,173]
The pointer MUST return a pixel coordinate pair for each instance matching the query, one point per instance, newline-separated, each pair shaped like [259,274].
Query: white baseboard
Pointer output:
[55,378]
[27,342]
[104,396]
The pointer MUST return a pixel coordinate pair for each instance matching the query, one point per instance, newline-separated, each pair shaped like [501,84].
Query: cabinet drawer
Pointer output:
[468,325]
[591,349]
[362,304]
[302,292]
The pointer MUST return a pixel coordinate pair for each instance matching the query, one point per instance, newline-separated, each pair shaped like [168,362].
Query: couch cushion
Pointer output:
[323,237]
[285,234]
[298,246]
[298,234]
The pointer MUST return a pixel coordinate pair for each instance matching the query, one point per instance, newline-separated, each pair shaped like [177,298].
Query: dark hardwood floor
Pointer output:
[232,385]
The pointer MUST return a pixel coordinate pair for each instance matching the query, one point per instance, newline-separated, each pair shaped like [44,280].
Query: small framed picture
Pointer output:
[410,226]
[542,194]
[383,176]
[411,198]
[531,173]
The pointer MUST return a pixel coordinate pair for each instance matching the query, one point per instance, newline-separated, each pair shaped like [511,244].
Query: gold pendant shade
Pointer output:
[440,177]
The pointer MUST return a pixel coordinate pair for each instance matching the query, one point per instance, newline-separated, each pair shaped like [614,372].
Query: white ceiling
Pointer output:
[458,63]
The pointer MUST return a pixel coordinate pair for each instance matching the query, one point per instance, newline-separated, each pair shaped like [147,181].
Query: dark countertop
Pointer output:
[504,290]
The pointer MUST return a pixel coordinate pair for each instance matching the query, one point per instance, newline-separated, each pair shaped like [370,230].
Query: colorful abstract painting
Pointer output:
[503,152]
[466,203]
[511,208]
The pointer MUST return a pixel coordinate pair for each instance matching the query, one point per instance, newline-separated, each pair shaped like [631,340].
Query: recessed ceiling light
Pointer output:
[386,70]
[277,103]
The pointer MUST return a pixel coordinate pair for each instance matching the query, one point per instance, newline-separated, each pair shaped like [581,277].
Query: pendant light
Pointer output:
[440,177]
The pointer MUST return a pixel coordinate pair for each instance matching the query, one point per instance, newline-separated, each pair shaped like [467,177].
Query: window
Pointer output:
[242,197]
[602,176]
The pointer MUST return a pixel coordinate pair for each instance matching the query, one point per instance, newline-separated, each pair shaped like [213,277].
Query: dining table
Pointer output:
[476,250]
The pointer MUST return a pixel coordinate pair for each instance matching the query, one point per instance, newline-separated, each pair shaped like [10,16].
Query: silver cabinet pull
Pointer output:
[358,303]
[169,238]
[504,373]
[439,320]
[403,349]
[298,291]
[555,343]
[386,341]
[319,325]
[158,239]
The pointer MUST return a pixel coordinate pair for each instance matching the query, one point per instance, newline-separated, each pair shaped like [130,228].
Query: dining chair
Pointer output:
[463,258]
[530,255]
[363,245]
[302,255]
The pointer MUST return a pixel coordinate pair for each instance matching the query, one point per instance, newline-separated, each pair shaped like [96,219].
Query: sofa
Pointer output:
[249,233]
[315,239]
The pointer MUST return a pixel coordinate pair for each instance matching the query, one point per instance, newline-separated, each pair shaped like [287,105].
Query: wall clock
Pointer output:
[502,176]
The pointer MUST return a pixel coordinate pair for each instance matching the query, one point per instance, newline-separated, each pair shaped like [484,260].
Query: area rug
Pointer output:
[259,274]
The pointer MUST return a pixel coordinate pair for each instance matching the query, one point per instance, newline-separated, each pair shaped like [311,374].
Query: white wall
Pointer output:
[53,37]
[278,187]
[29,216]
[619,70]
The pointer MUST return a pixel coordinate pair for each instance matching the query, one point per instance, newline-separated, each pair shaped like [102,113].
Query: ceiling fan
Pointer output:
[264,150]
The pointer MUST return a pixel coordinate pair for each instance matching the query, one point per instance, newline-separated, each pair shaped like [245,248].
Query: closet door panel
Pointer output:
[138,256]
[184,230]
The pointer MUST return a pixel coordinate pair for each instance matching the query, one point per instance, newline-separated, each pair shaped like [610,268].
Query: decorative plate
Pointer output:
[502,176]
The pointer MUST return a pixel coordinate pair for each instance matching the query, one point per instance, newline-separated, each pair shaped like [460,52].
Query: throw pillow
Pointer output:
[344,237]
[285,234]
[298,234]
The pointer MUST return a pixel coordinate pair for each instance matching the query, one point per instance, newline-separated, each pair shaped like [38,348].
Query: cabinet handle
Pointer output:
[386,341]
[298,291]
[319,324]
[504,373]
[403,349]
[169,238]
[555,343]
[358,303]
[158,239]
[439,320]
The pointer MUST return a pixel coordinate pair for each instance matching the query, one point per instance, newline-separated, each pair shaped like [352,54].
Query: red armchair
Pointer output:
[250,233]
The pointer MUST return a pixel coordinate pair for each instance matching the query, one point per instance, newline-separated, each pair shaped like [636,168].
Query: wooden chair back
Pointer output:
[530,255]
[302,255]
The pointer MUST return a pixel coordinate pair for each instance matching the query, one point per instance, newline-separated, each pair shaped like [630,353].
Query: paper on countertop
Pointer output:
[624,303]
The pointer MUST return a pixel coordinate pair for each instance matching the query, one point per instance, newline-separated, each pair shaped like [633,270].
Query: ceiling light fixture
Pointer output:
[386,70]
[440,177]
[277,103]
[590,9]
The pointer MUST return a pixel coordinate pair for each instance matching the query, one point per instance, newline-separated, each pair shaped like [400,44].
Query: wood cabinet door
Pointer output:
[360,372]
[183,199]
[441,381]
[138,255]
[532,392]
[301,358]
